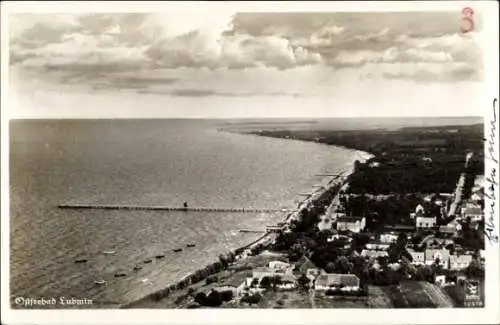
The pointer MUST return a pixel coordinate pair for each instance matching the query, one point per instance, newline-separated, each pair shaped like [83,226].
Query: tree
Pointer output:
[474,270]
[342,265]
[200,298]
[275,281]
[330,267]
[286,240]
[324,234]
[451,248]
[359,241]
[265,282]
[227,295]
[211,279]
[303,282]
[253,299]
[214,299]
[223,260]
[295,252]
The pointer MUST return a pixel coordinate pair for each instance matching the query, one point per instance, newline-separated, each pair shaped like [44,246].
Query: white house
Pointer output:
[373,253]
[281,266]
[377,245]
[425,222]
[418,258]
[459,262]
[431,255]
[332,280]
[260,272]
[389,237]
[337,236]
[451,227]
[353,224]
[472,211]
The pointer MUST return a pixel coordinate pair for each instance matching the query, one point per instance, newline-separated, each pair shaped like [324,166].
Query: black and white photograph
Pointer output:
[251,157]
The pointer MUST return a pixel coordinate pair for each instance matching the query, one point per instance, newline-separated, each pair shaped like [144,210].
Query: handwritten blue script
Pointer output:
[492,146]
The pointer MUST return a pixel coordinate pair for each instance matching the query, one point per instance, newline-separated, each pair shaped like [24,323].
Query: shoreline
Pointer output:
[263,241]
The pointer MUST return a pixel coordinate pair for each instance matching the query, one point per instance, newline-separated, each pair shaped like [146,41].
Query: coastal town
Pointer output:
[337,250]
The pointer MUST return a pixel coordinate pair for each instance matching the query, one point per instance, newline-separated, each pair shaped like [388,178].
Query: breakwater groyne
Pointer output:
[167,208]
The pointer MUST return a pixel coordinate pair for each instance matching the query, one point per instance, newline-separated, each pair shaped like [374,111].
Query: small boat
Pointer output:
[80,261]
[109,252]
[120,274]
[191,245]
[177,250]
[137,268]
[160,256]
[99,282]
[147,261]
[144,280]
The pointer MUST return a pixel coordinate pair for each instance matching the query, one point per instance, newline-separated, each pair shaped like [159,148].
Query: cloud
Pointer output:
[392,54]
[196,49]
[99,44]
[324,35]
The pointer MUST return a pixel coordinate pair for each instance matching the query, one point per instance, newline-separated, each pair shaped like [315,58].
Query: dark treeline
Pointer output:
[409,160]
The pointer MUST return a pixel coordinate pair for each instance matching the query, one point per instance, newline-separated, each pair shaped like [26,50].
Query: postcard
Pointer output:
[250,162]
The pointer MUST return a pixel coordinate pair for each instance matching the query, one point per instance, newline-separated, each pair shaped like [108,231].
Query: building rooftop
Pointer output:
[426,217]
[349,219]
[332,279]
[263,269]
[460,258]
[431,254]
[373,253]
[472,210]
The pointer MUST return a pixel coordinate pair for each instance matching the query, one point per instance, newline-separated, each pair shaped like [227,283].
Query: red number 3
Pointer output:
[467,22]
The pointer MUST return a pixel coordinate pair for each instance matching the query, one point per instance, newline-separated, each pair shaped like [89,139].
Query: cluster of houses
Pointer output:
[441,256]
[287,275]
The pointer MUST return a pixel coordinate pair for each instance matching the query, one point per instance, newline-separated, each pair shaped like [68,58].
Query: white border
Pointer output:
[490,314]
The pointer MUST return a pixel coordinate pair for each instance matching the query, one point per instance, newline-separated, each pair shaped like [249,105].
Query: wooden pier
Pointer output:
[328,175]
[166,208]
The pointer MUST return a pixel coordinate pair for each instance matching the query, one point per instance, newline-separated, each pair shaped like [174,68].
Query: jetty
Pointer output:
[328,175]
[252,231]
[166,208]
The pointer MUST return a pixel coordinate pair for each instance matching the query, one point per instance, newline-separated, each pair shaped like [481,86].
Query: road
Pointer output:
[327,218]
[459,189]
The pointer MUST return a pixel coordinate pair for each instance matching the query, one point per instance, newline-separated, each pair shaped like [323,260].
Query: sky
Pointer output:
[232,65]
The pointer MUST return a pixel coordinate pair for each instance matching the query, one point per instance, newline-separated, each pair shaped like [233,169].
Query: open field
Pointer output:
[277,300]
[323,301]
[417,294]
[377,298]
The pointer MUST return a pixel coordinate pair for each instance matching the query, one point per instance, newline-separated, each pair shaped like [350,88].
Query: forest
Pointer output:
[407,160]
